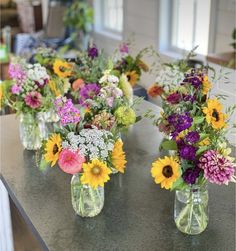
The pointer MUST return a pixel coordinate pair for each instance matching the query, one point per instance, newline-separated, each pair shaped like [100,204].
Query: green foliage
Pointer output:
[168,145]
[233,44]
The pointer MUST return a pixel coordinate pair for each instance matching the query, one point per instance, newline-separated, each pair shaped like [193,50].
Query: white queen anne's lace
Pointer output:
[93,143]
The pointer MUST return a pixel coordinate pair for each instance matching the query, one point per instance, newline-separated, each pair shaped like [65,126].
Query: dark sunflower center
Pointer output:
[215,115]
[128,77]
[167,171]
[62,68]
[96,170]
[55,149]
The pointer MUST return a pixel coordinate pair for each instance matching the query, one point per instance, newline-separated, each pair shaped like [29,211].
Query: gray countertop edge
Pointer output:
[23,214]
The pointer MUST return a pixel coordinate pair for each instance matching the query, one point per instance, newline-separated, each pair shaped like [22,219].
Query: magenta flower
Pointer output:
[173,98]
[33,99]
[67,112]
[16,89]
[217,169]
[191,174]
[16,72]
[93,52]
[89,91]
[71,162]
[192,137]
[124,48]
[188,152]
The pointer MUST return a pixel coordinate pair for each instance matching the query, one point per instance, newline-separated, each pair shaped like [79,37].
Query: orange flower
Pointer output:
[155,90]
[77,84]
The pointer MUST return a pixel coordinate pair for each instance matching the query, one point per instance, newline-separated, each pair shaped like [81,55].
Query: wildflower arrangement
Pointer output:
[59,70]
[89,151]
[108,103]
[29,91]
[131,66]
[196,126]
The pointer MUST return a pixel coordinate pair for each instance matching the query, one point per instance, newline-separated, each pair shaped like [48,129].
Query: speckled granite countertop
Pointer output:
[137,214]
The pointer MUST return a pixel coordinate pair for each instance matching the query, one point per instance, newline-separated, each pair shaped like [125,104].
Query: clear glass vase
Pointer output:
[32,131]
[86,201]
[191,209]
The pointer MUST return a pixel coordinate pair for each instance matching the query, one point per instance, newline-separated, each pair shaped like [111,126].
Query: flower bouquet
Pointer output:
[195,126]
[87,153]
[29,94]
[129,65]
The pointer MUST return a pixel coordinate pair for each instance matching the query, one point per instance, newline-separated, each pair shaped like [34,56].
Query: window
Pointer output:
[109,16]
[190,25]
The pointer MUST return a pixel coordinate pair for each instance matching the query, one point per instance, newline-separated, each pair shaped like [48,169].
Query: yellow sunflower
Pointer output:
[62,68]
[133,77]
[165,171]
[53,87]
[95,174]
[214,114]
[118,156]
[53,148]
[206,85]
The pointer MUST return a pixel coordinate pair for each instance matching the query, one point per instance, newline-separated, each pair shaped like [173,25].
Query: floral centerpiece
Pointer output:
[131,66]
[87,153]
[29,94]
[195,126]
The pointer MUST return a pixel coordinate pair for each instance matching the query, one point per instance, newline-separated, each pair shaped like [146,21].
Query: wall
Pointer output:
[225,23]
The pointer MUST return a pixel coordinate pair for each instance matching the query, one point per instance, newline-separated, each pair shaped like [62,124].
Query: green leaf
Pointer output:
[203,136]
[169,145]
[179,184]
[201,150]
[43,165]
[198,120]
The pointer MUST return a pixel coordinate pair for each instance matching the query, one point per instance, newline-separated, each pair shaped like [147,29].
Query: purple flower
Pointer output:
[192,137]
[88,91]
[188,152]
[124,48]
[189,98]
[44,82]
[190,175]
[16,89]
[195,81]
[67,112]
[174,98]
[180,122]
[93,52]
[16,72]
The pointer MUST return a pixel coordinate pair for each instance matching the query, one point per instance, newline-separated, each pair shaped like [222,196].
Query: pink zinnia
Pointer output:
[217,168]
[33,99]
[71,162]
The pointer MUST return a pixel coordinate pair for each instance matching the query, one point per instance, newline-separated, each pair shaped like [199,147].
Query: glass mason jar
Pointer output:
[49,117]
[191,209]
[86,201]
[32,131]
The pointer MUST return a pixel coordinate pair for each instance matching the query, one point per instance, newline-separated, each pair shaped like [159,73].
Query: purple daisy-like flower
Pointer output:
[67,112]
[192,137]
[88,91]
[196,82]
[188,152]
[189,98]
[217,169]
[173,98]
[180,122]
[33,99]
[191,174]
[93,52]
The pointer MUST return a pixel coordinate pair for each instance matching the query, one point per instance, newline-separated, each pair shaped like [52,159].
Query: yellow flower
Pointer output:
[214,114]
[53,148]
[62,68]
[205,142]
[118,156]
[165,171]
[133,77]
[181,135]
[206,85]
[53,87]
[95,174]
